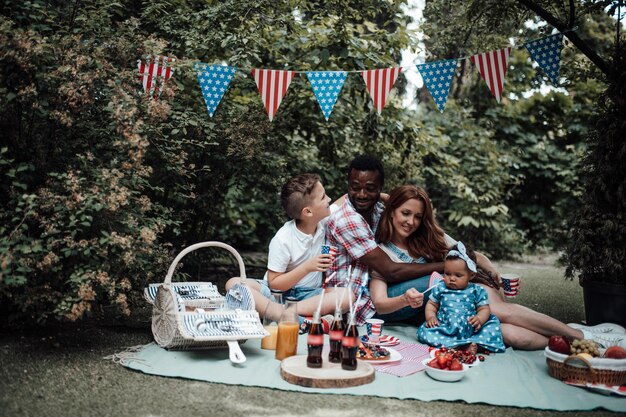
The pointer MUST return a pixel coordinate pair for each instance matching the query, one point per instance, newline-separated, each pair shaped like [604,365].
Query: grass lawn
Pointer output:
[60,371]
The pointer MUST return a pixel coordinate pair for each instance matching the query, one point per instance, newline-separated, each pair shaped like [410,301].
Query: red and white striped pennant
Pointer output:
[155,71]
[273,85]
[492,66]
[379,82]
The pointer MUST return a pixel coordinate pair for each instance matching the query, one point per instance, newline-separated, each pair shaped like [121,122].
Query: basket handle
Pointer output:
[242,270]
[583,360]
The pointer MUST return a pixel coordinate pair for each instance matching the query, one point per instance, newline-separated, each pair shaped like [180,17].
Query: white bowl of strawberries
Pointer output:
[444,367]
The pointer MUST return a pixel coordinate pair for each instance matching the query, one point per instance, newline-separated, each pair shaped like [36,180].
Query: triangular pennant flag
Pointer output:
[155,70]
[327,86]
[214,81]
[547,53]
[379,82]
[438,78]
[272,85]
[492,66]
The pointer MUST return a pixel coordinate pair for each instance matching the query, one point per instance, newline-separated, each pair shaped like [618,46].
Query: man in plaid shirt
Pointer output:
[351,230]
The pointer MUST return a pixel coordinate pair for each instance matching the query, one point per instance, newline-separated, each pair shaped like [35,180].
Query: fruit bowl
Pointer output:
[577,368]
[444,375]
[597,363]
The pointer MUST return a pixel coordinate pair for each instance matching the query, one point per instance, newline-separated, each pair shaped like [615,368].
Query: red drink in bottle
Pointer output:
[349,346]
[336,334]
[315,343]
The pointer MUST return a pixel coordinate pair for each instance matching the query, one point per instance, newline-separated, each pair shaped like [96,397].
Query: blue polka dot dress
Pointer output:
[455,308]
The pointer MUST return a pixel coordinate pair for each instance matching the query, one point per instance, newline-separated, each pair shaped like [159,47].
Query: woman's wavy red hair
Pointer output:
[428,240]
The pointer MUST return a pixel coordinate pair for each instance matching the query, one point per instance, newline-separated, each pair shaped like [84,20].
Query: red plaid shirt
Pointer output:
[353,237]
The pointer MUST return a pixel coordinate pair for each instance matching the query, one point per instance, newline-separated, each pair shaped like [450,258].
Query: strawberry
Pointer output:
[434,364]
[441,360]
[455,365]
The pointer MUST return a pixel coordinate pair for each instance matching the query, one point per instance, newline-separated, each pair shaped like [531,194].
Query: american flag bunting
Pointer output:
[547,53]
[379,82]
[327,86]
[155,70]
[214,81]
[438,78]
[272,85]
[492,66]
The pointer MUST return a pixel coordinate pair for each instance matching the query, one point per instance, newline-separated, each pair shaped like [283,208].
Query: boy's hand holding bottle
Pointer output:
[320,262]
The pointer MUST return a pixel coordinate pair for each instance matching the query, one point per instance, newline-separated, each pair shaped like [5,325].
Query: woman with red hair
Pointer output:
[408,232]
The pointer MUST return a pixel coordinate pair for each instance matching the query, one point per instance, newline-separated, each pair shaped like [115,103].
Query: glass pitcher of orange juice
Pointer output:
[288,328]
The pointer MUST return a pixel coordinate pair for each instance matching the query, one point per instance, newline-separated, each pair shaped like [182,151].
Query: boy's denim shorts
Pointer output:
[296,293]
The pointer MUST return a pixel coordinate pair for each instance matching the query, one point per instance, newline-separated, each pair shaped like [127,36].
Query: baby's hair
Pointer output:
[468,249]
[296,194]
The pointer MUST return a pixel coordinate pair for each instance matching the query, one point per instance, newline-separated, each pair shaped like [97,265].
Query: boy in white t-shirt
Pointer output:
[295,263]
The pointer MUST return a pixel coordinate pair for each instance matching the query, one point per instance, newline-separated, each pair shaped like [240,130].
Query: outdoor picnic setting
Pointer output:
[262,208]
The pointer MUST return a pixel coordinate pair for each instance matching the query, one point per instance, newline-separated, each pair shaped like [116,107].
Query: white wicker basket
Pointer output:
[174,327]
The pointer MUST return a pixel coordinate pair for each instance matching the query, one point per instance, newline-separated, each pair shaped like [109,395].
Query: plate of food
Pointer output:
[377,354]
[465,357]
[384,340]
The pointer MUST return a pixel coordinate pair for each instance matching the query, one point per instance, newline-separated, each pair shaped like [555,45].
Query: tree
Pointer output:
[596,245]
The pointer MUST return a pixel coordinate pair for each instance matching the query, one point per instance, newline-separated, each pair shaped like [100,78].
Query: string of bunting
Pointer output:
[214,80]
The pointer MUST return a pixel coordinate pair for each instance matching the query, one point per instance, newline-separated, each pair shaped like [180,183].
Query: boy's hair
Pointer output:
[468,249]
[367,163]
[296,194]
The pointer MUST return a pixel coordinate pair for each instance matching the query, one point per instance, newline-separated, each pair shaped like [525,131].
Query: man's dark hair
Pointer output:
[367,162]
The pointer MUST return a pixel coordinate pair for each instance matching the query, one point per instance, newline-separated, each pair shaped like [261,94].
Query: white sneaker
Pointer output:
[601,328]
[606,340]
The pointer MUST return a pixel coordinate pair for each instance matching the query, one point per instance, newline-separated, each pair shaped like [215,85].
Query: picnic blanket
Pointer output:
[514,378]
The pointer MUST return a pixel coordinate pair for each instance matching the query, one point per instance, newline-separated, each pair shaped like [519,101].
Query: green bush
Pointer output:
[102,187]
[79,226]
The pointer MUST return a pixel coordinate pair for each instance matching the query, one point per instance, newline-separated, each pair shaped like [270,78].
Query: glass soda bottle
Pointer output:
[349,347]
[336,334]
[315,343]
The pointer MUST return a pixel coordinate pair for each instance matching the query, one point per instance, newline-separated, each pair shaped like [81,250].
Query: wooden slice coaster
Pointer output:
[294,370]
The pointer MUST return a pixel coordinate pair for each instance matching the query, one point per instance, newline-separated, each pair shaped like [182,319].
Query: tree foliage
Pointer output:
[101,187]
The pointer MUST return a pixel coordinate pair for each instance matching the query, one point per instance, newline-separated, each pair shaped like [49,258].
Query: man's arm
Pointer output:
[395,272]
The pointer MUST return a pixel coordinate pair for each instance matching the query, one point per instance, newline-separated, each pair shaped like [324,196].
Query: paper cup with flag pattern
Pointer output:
[374,329]
[511,284]
[327,249]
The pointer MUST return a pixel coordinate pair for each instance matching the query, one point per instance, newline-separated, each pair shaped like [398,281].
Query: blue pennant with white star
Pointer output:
[438,78]
[327,86]
[214,81]
[547,53]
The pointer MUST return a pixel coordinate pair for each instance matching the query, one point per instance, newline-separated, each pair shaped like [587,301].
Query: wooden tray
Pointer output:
[294,370]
